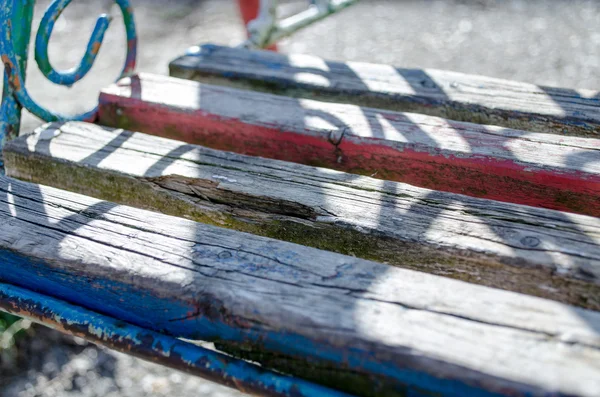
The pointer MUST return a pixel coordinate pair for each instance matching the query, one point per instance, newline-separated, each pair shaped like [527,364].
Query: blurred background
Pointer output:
[547,42]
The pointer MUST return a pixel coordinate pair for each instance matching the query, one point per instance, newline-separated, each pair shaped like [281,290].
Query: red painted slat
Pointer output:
[483,161]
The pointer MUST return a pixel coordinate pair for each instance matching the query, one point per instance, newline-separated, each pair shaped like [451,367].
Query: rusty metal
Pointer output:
[75,74]
[10,112]
[14,38]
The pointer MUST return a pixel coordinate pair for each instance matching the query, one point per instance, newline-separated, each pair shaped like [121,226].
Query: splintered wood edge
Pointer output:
[201,282]
[216,188]
[451,95]
[527,168]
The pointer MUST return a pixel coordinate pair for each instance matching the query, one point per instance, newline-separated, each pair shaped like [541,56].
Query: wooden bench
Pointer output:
[451,95]
[483,161]
[524,249]
[366,252]
[359,326]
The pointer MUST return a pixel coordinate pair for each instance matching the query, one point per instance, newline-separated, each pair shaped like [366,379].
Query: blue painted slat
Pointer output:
[158,314]
[153,346]
[186,279]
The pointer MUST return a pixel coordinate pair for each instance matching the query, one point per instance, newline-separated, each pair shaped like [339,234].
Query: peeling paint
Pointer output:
[153,346]
[14,40]
[10,112]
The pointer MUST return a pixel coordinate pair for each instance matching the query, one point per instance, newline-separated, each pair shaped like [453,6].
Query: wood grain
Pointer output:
[424,333]
[535,251]
[451,95]
[543,170]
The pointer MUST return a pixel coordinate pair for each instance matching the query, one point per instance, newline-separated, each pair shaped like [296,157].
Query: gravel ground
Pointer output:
[552,42]
[51,364]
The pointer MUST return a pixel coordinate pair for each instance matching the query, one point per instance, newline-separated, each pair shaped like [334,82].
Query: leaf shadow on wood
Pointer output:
[226,280]
[422,81]
[42,356]
[210,261]
[434,213]
[278,264]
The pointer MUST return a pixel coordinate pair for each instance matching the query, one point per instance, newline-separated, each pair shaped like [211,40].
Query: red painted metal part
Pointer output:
[249,11]
[475,175]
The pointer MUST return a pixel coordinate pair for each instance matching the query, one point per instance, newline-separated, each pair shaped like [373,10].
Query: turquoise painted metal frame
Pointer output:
[15,31]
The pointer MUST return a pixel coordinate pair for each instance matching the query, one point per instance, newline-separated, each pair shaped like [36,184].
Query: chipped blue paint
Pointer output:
[70,77]
[10,111]
[155,346]
[11,34]
[143,308]
[42,39]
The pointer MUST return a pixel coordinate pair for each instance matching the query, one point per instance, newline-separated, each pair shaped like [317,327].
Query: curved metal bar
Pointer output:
[71,76]
[42,38]
[266,30]
[13,72]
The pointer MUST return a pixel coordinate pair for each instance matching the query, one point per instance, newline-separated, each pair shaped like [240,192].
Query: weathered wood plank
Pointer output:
[420,332]
[536,251]
[482,161]
[451,95]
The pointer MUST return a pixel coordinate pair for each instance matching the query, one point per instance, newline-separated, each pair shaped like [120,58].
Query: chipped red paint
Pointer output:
[478,176]
[473,175]
[216,132]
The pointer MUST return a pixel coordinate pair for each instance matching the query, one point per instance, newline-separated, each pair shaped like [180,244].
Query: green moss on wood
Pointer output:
[143,193]
[321,372]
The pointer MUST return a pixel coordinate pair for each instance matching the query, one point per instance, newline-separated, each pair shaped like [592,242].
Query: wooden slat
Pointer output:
[482,161]
[418,332]
[541,252]
[455,96]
